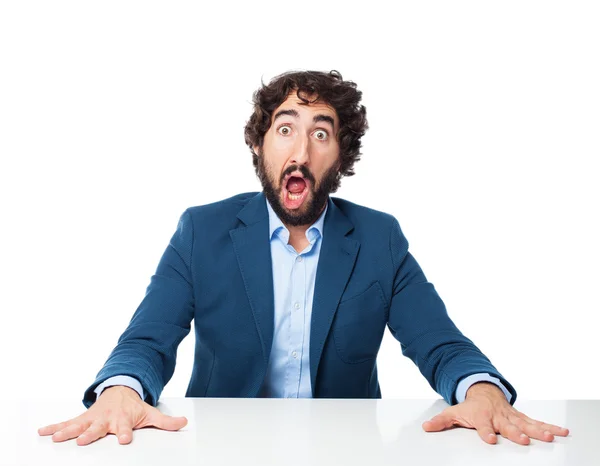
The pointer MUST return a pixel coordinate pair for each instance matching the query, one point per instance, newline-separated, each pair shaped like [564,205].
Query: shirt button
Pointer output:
[297,305]
[294,354]
[299,258]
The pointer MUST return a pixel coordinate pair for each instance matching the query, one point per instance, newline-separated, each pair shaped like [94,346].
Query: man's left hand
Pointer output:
[486,409]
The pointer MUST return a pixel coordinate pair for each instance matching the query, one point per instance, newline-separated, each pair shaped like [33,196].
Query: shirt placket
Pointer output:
[298,294]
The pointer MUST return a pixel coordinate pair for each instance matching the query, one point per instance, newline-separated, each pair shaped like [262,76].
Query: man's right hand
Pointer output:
[118,410]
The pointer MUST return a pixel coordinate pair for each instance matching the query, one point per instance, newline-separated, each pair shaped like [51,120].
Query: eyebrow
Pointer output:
[295,114]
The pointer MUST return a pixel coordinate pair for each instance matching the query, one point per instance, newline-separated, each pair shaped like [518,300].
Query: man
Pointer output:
[291,290]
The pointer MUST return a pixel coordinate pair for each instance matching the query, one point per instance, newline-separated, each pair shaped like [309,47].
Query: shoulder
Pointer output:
[232,205]
[375,228]
[373,225]
[215,216]
[362,216]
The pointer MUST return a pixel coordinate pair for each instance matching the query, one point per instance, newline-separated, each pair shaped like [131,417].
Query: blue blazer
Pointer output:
[216,272]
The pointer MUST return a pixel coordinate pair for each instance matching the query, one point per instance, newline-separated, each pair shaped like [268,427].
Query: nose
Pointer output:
[301,155]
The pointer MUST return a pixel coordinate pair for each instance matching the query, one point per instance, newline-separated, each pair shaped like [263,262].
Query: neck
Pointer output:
[299,231]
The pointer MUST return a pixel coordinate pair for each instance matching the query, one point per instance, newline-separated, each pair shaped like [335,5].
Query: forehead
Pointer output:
[318,107]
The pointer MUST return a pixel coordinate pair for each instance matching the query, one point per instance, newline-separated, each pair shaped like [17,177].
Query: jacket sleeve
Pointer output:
[148,347]
[419,321]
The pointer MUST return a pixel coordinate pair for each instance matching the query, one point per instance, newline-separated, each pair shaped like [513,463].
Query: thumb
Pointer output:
[437,423]
[164,422]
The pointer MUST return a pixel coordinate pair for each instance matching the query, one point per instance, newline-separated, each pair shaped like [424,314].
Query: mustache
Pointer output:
[302,169]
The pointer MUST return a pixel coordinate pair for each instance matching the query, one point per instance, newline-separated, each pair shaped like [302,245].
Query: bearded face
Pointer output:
[295,196]
[298,163]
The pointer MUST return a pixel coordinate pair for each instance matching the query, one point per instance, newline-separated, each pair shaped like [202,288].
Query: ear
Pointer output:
[255,149]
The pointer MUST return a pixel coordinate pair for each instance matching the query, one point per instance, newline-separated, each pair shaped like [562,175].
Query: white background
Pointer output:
[115,116]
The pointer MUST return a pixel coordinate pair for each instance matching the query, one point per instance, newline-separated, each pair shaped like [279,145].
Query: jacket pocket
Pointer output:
[359,325]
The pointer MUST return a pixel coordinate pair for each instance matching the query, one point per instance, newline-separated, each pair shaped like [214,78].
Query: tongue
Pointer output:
[296,185]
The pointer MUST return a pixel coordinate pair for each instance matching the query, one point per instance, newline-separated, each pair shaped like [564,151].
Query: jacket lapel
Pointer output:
[336,261]
[253,251]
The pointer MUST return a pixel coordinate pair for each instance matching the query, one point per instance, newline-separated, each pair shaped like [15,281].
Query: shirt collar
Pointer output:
[275,223]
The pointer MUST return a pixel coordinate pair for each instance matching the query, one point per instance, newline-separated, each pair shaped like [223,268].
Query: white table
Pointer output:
[301,432]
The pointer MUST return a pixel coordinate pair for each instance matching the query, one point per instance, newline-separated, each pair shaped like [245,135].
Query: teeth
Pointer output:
[294,197]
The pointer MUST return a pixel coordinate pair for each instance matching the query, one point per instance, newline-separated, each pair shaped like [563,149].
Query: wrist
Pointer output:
[484,388]
[119,388]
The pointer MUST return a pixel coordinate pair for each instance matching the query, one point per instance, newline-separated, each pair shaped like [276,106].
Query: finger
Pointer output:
[438,423]
[96,430]
[162,421]
[50,429]
[554,430]
[511,432]
[534,431]
[124,433]
[70,431]
[485,429]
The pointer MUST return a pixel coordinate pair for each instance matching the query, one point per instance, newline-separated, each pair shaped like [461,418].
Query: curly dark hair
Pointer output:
[329,88]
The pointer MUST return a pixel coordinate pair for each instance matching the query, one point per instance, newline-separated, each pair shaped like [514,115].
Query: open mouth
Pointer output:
[295,190]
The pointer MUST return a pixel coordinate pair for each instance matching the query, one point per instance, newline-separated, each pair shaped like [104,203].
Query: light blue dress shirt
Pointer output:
[288,372]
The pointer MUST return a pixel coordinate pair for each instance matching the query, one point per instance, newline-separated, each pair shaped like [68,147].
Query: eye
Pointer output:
[285,130]
[321,135]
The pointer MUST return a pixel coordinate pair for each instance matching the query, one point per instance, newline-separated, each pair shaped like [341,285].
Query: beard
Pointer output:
[315,202]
